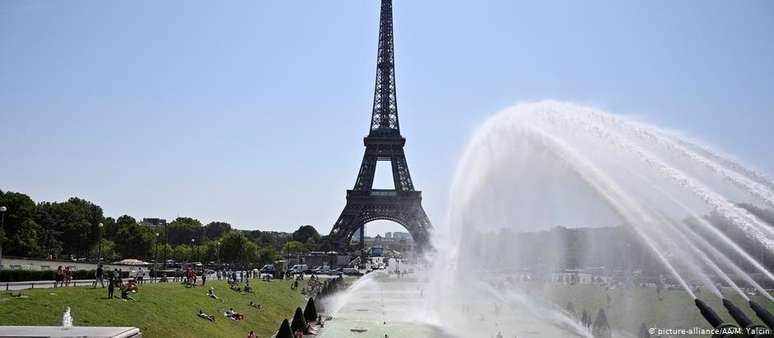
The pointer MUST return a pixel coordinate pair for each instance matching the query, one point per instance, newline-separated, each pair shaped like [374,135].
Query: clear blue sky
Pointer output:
[253,112]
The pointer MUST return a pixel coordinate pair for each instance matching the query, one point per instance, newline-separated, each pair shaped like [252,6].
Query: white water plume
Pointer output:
[535,175]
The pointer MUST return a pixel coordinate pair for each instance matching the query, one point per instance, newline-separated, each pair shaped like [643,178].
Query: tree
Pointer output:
[325,244]
[250,254]
[109,252]
[284,330]
[215,230]
[233,246]
[132,239]
[266,256]
[310,312]
[294,247]
[183,229]
[305,233]
[74,224]
[109,228]
[20,234]
[182,253]
[165,252]
[210,252]
[298,323]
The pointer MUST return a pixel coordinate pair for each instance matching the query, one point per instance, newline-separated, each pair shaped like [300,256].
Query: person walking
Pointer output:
[204,277]
[59,277]
[99,276]
[140,276]
[68,275]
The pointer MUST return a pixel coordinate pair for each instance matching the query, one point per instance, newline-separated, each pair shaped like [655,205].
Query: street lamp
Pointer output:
[218,251]
[155,258]
[166,244]
[192,246]
[99,240]
[3,209]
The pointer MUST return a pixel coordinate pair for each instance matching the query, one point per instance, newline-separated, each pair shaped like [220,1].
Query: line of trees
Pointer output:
[72,229]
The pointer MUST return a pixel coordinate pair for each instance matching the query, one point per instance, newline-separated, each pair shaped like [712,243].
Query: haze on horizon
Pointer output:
[254,113]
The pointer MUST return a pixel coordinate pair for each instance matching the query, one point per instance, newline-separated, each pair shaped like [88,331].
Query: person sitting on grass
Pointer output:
[211,293]
[132,286]
[248,288]
[252,304]
[206,316]
[235,287]
[125,293]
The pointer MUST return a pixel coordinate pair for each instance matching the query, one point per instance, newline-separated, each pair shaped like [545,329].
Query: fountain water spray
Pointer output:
[538,165]
[67,319]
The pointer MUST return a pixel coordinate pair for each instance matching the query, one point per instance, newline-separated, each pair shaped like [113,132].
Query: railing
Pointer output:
[13,286]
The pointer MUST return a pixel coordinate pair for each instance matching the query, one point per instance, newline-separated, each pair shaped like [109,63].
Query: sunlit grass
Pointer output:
[160,310]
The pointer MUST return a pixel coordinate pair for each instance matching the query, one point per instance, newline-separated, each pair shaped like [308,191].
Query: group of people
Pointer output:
[63,276]
[115,282]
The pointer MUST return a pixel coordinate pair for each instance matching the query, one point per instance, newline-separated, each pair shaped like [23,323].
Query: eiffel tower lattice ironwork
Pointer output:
[384,142]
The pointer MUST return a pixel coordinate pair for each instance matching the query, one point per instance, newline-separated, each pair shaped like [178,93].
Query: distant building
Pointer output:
[153,222]
[401,235]
[356,236]
[388,235]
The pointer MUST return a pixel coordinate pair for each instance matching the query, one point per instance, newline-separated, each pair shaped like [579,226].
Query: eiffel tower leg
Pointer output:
[362,245]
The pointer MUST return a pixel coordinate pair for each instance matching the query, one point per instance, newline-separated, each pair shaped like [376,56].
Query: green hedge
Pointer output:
[34,275]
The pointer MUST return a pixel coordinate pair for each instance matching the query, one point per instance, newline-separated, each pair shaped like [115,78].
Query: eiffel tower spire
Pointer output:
[384,120]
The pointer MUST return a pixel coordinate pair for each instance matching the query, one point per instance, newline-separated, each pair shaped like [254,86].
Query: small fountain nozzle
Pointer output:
[708,313]
[765,316]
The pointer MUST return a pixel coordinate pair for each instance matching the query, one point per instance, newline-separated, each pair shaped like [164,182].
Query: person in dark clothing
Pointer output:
[125,293]
[99,276]
[111,287]
[204,277]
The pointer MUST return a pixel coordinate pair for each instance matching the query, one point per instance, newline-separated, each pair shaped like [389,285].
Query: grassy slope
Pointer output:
[632,307]
[161,310]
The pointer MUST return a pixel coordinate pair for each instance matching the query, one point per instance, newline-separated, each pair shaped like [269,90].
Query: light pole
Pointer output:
[166,244]
[99,240]
[193,241]
[217,253]
[155,258]
[3,209]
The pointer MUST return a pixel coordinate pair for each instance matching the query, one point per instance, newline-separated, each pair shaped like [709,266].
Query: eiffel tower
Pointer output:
[384,142]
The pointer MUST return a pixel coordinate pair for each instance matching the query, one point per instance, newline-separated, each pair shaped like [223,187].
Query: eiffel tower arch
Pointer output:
[403,204]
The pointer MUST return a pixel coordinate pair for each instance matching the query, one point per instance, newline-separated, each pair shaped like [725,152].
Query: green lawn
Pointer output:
[161,310]
[629,308]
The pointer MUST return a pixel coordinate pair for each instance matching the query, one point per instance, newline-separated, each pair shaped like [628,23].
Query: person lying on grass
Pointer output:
[211,293]
[248,288]
[206,316]
[234,315]
[257,306]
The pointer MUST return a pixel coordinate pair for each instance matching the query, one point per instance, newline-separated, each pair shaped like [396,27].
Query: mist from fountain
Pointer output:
[67,319]
[536,166]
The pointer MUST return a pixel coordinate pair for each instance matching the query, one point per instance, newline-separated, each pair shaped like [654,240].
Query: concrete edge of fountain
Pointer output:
[74,331]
